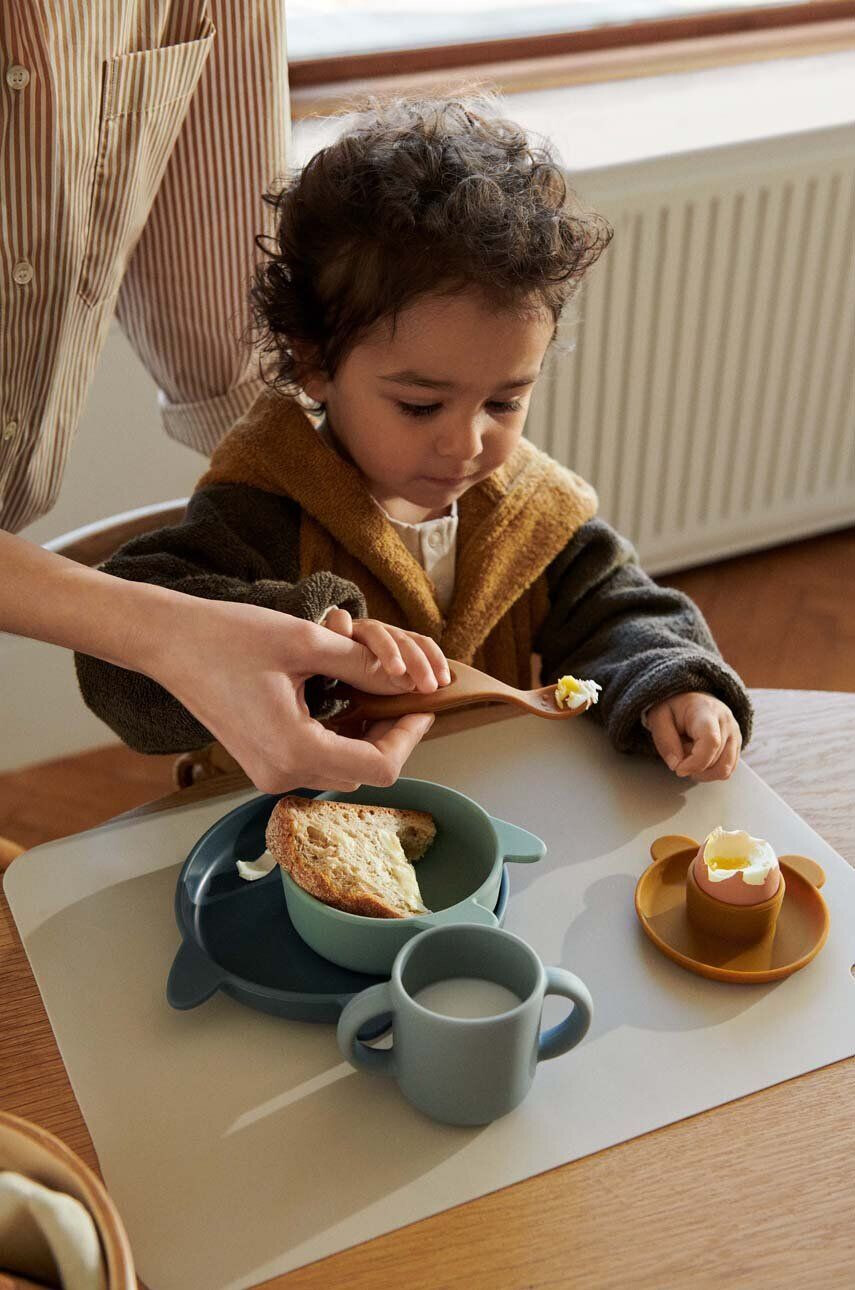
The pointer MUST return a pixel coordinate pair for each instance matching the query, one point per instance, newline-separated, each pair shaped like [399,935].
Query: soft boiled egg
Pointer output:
[737,869]
[570,692]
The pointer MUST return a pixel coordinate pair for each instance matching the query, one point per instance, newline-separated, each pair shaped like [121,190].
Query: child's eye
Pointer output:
[419,409]
[512,405]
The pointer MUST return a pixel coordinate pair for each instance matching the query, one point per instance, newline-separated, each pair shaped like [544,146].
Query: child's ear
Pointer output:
[314,383]
[311,375]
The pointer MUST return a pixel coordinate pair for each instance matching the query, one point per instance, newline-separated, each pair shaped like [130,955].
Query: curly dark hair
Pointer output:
[416,196]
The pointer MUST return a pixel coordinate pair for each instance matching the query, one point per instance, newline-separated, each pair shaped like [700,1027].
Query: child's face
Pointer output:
[430,409]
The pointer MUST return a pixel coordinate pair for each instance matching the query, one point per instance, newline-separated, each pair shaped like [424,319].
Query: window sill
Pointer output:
[598,126]
[632,62]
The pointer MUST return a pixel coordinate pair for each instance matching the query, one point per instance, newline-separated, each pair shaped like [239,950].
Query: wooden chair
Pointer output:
[9,851]
[95,543]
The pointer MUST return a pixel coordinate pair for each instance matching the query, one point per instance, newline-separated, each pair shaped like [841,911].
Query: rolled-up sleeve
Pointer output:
[184,298]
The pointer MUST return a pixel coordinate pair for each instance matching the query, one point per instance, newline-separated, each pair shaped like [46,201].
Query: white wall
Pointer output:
[121,459]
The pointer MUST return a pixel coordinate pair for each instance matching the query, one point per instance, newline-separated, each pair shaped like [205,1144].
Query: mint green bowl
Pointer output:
[459,877]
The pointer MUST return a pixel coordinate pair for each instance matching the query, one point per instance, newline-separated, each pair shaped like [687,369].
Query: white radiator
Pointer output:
[709,394]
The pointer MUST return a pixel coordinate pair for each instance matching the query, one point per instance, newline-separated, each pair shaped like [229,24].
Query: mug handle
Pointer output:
[569,1032]
[367,1006]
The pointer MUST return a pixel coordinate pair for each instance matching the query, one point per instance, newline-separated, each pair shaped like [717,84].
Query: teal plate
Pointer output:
[237,936]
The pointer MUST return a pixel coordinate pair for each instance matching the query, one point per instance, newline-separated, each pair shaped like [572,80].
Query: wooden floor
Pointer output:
[785,619]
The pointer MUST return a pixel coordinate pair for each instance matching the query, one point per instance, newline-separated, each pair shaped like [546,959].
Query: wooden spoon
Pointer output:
[467,686]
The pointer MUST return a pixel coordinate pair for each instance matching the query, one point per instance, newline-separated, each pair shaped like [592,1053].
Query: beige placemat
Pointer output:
[237,1146]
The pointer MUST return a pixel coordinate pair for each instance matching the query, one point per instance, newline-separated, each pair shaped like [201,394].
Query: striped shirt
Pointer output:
[136,139]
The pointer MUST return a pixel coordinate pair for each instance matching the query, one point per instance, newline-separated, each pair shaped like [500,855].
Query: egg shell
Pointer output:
[733,891]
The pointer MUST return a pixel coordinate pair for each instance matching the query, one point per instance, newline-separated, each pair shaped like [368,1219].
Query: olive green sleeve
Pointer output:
[235,543]
[643,643]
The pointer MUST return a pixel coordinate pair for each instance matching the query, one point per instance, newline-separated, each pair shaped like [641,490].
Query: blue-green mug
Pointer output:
[466,1068]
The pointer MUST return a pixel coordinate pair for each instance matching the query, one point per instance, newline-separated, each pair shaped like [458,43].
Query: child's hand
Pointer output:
[696,735]
[415,661]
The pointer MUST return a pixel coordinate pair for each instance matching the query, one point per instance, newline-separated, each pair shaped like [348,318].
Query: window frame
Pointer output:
[469,56]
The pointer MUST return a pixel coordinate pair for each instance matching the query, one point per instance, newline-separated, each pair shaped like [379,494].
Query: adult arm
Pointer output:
[235,543]
[239,668]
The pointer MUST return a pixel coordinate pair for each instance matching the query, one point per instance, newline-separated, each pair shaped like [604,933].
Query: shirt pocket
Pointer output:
[144,100]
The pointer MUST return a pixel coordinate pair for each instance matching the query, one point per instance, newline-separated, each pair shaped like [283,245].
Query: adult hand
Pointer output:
[241,670]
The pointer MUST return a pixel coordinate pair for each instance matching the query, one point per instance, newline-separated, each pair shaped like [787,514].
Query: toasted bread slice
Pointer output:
[356,858]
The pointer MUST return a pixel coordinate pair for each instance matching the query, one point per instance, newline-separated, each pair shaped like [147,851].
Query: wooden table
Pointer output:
[758,1193]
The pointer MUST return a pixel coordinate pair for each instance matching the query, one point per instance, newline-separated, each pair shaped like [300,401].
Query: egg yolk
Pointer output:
[716,863]
[567,686]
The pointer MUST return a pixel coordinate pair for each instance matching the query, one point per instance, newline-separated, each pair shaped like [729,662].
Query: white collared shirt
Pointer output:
[434,544]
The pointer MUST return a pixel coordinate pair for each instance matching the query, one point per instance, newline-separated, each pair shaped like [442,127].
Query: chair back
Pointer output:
[94,543]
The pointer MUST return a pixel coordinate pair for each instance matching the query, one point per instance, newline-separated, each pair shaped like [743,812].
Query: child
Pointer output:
[419,270]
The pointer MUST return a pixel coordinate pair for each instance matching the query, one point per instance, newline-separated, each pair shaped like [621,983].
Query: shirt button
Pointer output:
[10,429]
[435,539]
[17,78]
[23,273]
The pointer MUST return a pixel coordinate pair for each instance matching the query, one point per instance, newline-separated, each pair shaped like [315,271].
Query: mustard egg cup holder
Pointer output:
[741,944]
[742,924]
